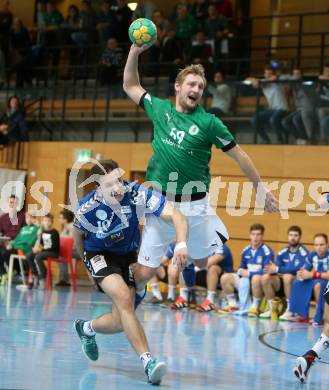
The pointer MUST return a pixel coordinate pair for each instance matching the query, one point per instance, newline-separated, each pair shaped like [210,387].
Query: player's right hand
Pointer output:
[180,258]
[139,49]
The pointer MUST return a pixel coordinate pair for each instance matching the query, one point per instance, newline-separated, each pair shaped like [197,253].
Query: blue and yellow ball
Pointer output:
[142,31]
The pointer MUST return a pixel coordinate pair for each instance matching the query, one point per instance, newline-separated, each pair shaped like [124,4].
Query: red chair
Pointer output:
[65,256]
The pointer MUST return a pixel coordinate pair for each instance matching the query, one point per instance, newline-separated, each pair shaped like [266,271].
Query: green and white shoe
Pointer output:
[88,343]
[4,280]
[155,371]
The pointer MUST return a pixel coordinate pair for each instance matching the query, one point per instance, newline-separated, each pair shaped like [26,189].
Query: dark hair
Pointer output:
[222,72]
[323,235]
[326,65]
[49,215]
[257,226]
[295,228]
[269,67]
[104,167]
[13,196]
[68,215]
[11,98]
[76,9]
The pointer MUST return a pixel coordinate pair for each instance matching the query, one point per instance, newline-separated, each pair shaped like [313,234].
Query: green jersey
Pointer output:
[26,238]
[182,146]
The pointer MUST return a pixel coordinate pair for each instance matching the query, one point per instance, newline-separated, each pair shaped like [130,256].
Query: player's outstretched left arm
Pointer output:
[249,169]
[170,214]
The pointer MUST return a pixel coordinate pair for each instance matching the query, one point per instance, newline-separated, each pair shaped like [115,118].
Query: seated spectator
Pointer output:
[47,246]
[54,19]
[219,263]
[24,241]
[221,95]
[145,9]
[21,45]
[86,35]
[174,13]
[201,52]
[215,23]
[255,257]
[162,24]
[12,123]
[185,28]
[111,68]
[6,20]
[200,12]
[124,18]
[277,106]
[106,21]
[293,122]
[224,7]
[323,104]
[283,271]
[72,20]
[312,278]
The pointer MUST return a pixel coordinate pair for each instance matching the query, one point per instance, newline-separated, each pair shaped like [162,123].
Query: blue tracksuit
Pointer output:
[290,262]
[255,260]
[301,291]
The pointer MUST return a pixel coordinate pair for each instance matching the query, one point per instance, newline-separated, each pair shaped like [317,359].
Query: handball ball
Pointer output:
[142,31]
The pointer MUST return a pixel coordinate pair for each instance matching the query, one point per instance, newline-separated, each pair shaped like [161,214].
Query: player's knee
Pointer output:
[287,278]
[143,274]
[265,279]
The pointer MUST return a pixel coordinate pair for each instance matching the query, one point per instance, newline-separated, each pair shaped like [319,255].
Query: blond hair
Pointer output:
[196,69]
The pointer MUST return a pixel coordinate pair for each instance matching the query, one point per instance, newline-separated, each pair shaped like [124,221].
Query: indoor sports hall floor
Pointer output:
[40,350]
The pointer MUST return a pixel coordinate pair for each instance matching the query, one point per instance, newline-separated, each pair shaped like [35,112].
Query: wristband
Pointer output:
[316,275]
[180,245]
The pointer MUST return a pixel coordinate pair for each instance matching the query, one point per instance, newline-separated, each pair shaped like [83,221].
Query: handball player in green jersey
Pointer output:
[184,134]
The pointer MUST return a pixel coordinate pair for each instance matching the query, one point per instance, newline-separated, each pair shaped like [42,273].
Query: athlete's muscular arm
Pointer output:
[170,214]
[249,169]
[131,83]
[78,237]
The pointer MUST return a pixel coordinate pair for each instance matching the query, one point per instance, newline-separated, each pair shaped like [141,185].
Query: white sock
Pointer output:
[231,300]
[288,306]
[88,329]
[145,358]
[321,345]
[183,292]
[255,302]
[171,292]
[270,304]
[156,291]
[211,295]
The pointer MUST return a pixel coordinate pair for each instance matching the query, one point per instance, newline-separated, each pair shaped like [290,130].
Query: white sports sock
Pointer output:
[255,302]
[321,345]
[288,306]
[88,329]
[211,295]
[156,292]
[270,304]
[145,358]
[183,292]
[231,300]
[171,292]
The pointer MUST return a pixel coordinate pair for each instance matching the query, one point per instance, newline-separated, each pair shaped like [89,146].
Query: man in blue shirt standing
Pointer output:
[288,261]
[107,237]
[305,362]
[254,258]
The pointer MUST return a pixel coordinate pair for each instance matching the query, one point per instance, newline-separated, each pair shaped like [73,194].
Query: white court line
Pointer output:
[32,331]
[97,302]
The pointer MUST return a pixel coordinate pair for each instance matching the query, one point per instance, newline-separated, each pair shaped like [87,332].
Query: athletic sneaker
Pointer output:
[155,371]
[179,304]
[285,316]
[4,279]
[253,312]
[88,343]
[206,305]
[226,309]
[313,322]
[297,318]
[155,301]
[266,315]
[303,365]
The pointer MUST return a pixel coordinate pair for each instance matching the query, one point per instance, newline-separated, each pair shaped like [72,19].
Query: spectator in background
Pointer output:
[6,20]
[313,277]
[111,68]
[219,263]
[293,122]
[201,52]
[12,123]
[41,22]
[277,106]
[106,21]
[185,28]
[145,9]
[24,241]
[224,7]
[54,20]
[86,35]
[124,18]
[46,246]
[200,12]
[221,95]
[283,271]
[323,105]
[162,24]
[215,23]
[72,20]
[174,13]
[172,53]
